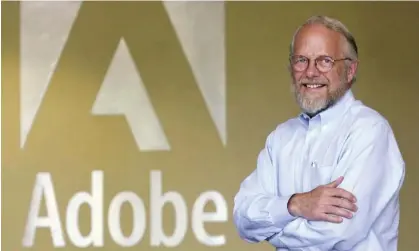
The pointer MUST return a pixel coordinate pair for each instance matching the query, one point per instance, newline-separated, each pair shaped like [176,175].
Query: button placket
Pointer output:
[311,161]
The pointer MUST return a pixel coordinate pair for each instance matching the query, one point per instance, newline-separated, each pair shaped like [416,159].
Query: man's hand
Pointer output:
[324,203]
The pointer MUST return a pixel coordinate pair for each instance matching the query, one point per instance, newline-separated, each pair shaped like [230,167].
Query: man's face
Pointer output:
[316,89]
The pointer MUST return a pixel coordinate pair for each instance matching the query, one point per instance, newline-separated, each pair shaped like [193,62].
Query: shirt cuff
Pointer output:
[278,211]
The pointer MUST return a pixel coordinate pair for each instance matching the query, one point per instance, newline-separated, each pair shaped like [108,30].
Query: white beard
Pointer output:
[314,105]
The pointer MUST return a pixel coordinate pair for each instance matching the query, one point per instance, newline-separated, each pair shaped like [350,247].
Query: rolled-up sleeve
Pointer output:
[259,213]
[374,172]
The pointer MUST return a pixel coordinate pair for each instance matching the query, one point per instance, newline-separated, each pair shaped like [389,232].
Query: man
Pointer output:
[330,178]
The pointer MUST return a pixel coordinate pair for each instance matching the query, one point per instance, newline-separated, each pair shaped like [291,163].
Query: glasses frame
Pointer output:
[333,60]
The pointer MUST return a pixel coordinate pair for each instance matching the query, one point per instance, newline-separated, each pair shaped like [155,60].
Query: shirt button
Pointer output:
[313,164]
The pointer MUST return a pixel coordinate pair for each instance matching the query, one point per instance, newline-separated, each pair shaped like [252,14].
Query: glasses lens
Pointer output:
[299,63]
[324,63]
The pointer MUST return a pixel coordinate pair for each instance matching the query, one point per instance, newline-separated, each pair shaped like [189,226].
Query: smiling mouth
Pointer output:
[313,86]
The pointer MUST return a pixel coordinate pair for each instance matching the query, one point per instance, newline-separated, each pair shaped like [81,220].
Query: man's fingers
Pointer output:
[336,182]
[331,218]
[343,203]
[337,211]
[342,193]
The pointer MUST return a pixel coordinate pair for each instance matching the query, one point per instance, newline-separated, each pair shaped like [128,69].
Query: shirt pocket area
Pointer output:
[321,174]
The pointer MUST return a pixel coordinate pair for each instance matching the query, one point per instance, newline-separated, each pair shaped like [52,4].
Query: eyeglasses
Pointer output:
[323,63]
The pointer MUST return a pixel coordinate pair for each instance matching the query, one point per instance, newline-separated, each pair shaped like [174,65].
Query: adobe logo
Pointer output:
[46,27]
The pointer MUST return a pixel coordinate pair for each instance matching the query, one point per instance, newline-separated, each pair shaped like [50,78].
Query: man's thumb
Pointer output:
[336,182]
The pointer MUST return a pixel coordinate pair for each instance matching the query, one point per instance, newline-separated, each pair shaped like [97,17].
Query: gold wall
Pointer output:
[210,130]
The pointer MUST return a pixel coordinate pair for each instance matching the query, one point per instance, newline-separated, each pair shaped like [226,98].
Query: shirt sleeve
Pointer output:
[259,212]
[374,172]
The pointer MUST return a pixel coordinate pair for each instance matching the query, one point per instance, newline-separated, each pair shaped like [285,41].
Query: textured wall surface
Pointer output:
[157,111]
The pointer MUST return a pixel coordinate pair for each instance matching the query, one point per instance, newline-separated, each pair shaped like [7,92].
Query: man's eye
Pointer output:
[301,60]
[326,60]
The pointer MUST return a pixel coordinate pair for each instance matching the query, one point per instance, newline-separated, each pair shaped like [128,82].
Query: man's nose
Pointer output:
[312,70]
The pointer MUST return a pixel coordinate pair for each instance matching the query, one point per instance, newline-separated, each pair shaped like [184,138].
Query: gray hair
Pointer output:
[335,25]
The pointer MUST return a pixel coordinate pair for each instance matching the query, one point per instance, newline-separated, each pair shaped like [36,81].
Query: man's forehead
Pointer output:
[317,39]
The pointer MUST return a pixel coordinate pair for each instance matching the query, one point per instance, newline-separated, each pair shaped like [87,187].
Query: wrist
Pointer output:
[293,205]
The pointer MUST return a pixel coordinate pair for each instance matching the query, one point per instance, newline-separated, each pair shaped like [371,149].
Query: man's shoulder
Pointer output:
[284,129]
[361,116]
[287,126]
[371,127]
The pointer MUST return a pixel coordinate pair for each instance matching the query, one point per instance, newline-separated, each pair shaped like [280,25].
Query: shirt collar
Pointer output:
[332,112]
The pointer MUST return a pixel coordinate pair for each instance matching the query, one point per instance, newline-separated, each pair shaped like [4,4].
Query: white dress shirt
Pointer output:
[349,139]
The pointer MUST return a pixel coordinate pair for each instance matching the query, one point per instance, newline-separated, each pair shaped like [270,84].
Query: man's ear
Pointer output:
[351,71]
[289,69]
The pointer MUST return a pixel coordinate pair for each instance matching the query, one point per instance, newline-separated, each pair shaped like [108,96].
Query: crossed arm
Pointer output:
[373,169]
